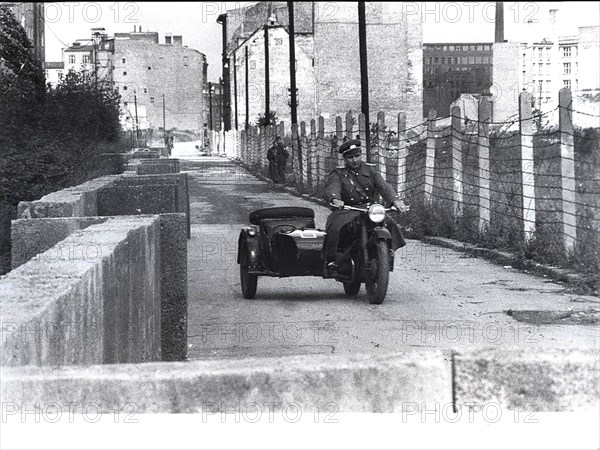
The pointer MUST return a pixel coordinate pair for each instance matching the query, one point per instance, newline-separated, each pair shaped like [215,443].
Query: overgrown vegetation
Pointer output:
[50,138]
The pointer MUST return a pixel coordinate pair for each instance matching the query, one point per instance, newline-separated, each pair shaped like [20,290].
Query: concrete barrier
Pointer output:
[545,380]
[414,382]
[145,154]
[32,237]
[157,166]
[76,201]
[360,383]
[97,304]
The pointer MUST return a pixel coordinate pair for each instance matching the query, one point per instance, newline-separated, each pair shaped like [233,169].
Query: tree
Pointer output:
[264,121]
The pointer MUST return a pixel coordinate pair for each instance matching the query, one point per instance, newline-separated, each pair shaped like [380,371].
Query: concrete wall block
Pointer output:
[356,383]
[173,267]
[157,166]
[133,200]
[53,307]
[30,237]
[548,380]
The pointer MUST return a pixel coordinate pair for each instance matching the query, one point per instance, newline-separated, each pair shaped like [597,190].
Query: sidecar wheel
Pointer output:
[377,281]
[249,282]
[352,288]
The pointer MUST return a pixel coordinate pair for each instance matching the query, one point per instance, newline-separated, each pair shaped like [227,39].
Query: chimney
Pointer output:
[499,22]
[134,28]
[178,41]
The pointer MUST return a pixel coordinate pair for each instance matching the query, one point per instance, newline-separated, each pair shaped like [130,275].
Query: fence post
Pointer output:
[321,150]
[457,166]
[527,166]
[296,154]
[401,157]
[381,154]
[362,132]
[430,155]
[484,112]
[312,150]
[567,168]
[339,133]
[349,124]
[304,152]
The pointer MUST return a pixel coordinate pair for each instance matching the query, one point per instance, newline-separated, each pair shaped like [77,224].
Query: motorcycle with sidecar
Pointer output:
[283,242]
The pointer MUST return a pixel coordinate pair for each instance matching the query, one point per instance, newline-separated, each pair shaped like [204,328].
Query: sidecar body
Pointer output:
[281,242]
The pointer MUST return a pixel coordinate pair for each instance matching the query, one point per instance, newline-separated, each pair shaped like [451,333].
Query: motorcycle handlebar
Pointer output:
[352,208]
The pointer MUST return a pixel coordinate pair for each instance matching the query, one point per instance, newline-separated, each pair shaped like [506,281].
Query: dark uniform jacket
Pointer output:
[356,188]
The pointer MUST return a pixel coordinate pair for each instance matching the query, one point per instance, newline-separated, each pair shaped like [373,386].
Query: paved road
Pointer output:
[437,298]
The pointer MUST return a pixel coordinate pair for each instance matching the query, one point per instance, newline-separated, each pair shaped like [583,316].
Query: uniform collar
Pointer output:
[362,169]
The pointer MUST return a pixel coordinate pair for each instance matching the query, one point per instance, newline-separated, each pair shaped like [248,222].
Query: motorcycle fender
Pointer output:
[251,244]
[382,233]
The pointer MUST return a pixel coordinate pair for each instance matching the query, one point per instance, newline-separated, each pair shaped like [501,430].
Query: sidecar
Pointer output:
[280,242]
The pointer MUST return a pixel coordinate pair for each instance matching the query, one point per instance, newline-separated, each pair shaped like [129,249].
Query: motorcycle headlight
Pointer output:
[377,213]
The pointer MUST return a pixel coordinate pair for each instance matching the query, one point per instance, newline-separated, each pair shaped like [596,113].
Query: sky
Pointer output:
[196,21]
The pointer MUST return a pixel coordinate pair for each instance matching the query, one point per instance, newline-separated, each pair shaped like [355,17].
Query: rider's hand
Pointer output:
[337,203]
[401,205]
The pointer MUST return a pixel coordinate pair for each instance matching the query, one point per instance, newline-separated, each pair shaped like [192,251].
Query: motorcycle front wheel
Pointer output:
[377,277]
[248,281]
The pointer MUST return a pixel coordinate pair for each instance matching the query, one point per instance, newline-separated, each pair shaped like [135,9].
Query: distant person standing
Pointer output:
[282,157]
[273,161]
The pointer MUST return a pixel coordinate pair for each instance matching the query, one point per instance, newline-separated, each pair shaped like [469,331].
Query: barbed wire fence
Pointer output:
[531,190]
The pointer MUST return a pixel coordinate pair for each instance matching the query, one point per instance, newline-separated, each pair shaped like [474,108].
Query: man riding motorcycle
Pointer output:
[356,184]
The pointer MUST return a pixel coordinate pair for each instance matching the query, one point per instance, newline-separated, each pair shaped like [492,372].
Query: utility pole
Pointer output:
[247,92]
[235,95]
[293,99]
[220,104]
[364,72]
[226,86]
[267,92]
[210,108]
[164,120]
[137,124]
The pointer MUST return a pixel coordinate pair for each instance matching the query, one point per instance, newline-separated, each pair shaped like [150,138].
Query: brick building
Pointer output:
[453,69]
[327,60]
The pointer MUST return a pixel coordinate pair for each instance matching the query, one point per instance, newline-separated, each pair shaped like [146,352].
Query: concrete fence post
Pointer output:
[567,168]
[349,127]
[527,167]
[381,145]
[321,150]
[339,134]
[295,153]
[401,159]
[457,166]
[304,152]
[484,112]
[362,132]
[430,155]
[312,150]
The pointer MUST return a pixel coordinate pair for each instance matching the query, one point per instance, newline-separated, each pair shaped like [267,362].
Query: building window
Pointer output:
[278,41]
[566,52]
[456,60]
[471,60]
[465,48]
[123,60]
[252,64]
[149,68]
[540,50]
[451,48]
[478,60]
[540,68]
[167,39]
[566,68]
[567,83]
[443,60]
[436,60]
[145,90]
[480,48]
[151,99]
[547,68]
[124,88]
[185,61]
[548,99]
[124,73]
[84,59]
[71,59]
[125,104]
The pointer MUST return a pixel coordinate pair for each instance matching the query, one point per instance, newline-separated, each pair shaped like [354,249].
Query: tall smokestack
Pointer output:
[499,22]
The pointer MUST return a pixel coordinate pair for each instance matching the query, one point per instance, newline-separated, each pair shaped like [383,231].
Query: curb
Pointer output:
[495,256]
